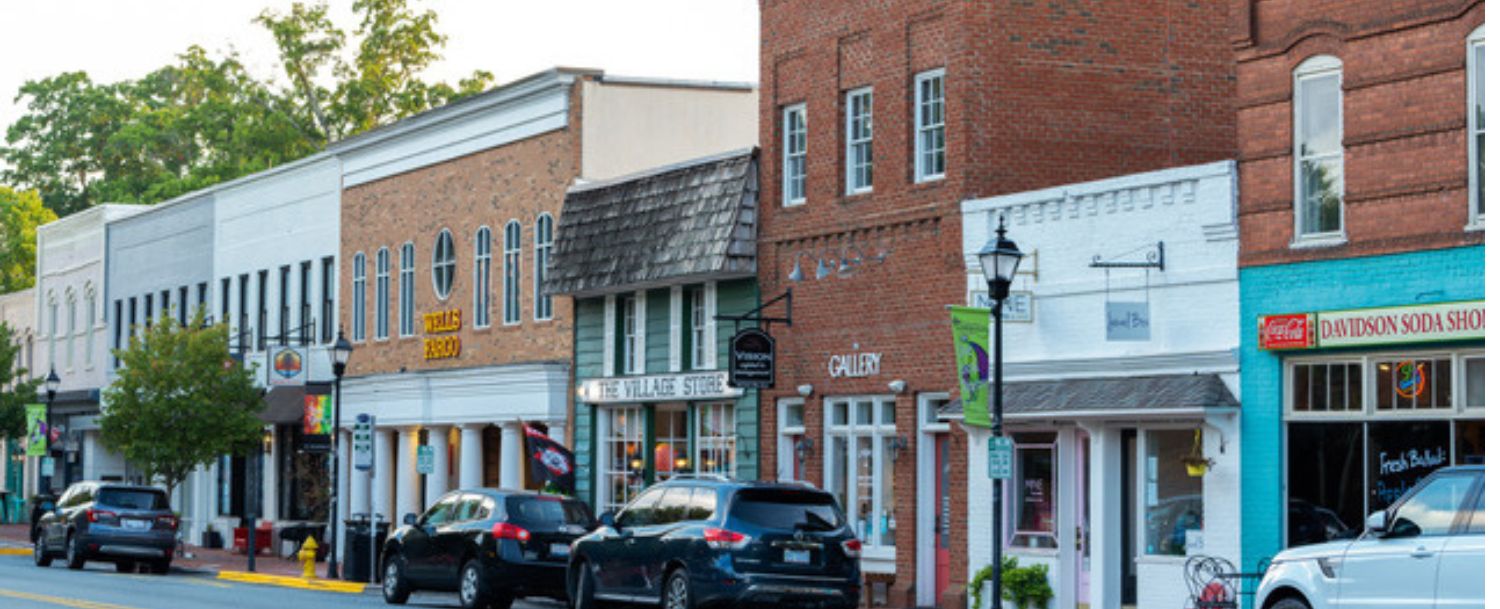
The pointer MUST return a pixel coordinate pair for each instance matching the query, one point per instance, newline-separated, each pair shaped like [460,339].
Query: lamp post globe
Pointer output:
[998,259]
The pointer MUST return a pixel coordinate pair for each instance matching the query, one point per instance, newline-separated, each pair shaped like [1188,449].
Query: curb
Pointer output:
[299,583]
[15,552]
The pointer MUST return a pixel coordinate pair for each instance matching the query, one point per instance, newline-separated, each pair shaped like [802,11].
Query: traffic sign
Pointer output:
[1001,451]
[424,459]
[364,442]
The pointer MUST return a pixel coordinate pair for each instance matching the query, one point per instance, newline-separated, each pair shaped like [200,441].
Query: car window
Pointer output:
[641,512]
[705,502]
[66,501]
[465,509]
[486,507]
[1476,521]
[546,513]
[1433,509]
[442,513]
[674,505]
[783,509]
[133,499]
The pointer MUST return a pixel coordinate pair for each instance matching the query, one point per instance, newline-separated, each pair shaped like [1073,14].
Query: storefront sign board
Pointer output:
[287,366]
[1369,327]
[1002,451]
[658,388]
[752,359]
[1292,331]
[443,343]
[1127,321]
[856,364]
[1017,308]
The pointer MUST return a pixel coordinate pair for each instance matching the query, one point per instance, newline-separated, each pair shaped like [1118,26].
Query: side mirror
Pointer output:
[1375,522]
[607,520]
[409,519]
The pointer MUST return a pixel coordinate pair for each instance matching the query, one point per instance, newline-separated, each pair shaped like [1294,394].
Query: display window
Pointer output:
[1174,499]
[1033,493]
[861,469]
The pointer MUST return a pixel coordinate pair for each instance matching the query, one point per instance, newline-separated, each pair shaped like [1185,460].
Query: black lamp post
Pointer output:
[44,477]
[340,354]
[999,260]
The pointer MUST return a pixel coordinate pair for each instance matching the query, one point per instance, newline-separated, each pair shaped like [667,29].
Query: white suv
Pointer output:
[1426,550]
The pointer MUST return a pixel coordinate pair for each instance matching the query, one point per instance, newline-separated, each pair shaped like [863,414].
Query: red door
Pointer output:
[941,518]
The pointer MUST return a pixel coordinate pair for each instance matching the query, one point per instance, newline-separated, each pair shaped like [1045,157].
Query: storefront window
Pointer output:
[624,465]
[715,439]
[1468,442]
[1402,453]
[1325,481]
[670,451]
[1474,382]
[1413,384]
[1034,493]
[864,479]
[1174,500]
[1327,386]
[792,439]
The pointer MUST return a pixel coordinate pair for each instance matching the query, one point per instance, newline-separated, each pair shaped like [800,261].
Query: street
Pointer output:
[24,586]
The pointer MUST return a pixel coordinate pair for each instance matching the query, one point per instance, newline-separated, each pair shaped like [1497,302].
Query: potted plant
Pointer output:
[211,538]
[1196,463]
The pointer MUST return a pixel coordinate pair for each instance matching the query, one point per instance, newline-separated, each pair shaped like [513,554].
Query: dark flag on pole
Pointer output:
[550,462]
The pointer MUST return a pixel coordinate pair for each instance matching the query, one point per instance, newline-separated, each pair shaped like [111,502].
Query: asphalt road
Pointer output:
[25,586]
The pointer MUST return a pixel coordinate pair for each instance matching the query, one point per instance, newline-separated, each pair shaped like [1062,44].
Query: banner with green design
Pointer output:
[971,339]
[36,430]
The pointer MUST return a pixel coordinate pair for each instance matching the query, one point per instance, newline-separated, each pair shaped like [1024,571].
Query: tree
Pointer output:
[179,401]
[20,214]
[15,391]
[58,146]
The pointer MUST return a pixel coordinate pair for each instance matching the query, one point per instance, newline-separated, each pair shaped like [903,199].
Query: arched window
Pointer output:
[359,297]
[512,272]
[1476,127]
[382,294]
[89,302]
[542,305]
[483,251]
[442,265]
[1318,113]
[408,290]
[72,299]
[52,330]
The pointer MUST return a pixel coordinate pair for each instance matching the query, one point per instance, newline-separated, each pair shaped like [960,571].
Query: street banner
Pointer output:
[971,337]
[549,461]
[317,423]
[36,430]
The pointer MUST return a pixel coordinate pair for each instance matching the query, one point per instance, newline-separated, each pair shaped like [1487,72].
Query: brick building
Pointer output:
[875,124]
[1361,131]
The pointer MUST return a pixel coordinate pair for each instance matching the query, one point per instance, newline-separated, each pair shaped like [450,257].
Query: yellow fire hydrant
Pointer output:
[309,556]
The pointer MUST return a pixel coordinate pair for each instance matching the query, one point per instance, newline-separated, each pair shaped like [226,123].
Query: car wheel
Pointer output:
[473,591]
[677,594]
[74,552]
[125,566]
[395,589]
[583,588]
[1290,602]
[39,553]
[161,567]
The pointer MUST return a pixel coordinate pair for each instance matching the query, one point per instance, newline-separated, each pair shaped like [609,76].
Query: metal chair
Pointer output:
[1212,583]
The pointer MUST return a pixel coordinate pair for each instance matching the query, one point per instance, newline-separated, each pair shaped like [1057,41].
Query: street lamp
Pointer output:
[340,355]
[999,260]
[44,477]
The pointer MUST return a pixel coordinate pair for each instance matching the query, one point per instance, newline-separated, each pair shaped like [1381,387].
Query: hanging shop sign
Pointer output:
[317,423]
[287,366]
[1369,327]
[752,359]
[443,324]
[658,388]
[971,339]
[855,364]
[1127,321]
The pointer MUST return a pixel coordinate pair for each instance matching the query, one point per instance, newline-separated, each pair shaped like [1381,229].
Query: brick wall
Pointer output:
[1405,139]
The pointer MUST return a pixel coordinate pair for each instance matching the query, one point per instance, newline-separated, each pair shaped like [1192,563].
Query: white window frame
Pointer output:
[1368,410]
[786,438]
[722,444]
[698,327]
[1142,452]
[1475,131]
[484,254]
[633,322]
[675,335]
[383,294]
[512,278]
[1321,66]
[72,332]
[90,324]
[791,135]
[358,273]
[541,308]
[607,441]
[920,172]
[859,134]
[442,265]
[876,558]
[609,335]
[405,314]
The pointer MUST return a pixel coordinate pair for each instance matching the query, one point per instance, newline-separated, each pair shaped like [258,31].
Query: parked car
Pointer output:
[707,541]
[120,523]
[491,546]
[1428,545]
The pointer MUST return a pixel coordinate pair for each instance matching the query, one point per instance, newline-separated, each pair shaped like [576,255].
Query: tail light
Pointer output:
[169,522]
[723,539]
[852,547]
[95,515]
[506,530]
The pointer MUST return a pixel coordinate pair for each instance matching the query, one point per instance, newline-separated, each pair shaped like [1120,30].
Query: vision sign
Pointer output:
[752,359]
[1367,327]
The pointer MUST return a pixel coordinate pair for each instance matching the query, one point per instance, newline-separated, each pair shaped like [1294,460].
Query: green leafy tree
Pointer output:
[180,401]
[15,390]
[58,146]
[20,214]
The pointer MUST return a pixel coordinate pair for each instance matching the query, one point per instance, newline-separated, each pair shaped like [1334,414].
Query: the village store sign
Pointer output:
[658,388]
[445,325]
[1368,327]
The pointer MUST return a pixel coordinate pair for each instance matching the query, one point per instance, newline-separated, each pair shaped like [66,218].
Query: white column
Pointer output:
[511,451]
[437,481]
[471,452]
[270,480]
[1104,516]
[406,473]
[381,484]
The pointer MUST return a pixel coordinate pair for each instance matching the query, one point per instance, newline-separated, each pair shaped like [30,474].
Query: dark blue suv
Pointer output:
[706,541]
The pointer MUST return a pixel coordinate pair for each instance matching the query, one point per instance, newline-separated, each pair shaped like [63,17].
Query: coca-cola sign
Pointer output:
[1293,331]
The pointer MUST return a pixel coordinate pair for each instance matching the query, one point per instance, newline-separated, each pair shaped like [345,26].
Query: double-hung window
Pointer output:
[359,296]
[715,440]
[632,329]
[859,161]
[72,325]
[512,272]
[52,328]
[327,314]
[541,307]
[701,341]
[405,314]
[1318,101]
[484,245]
[794,155]
[88,327]
[1476,127]
[284,293]
[382,294]
[931,154]
[860,468]
[304,302]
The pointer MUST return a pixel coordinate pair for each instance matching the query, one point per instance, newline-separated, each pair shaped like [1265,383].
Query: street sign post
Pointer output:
[364,443]
[1001,451]
[424,460]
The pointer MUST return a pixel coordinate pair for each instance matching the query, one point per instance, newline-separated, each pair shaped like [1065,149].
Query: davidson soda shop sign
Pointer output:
[1365,327]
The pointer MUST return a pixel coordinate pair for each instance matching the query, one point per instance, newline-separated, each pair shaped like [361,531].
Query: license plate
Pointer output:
[796,557]
[559,549]
[135,525]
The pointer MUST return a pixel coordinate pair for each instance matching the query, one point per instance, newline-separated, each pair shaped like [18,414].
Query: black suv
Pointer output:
[706,541]
[121,523]
[490,545]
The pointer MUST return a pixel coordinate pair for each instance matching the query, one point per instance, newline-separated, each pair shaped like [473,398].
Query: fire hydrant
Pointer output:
[308,555]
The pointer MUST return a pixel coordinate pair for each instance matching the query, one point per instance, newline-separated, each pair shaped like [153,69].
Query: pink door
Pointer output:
[1084,538]
[940,559]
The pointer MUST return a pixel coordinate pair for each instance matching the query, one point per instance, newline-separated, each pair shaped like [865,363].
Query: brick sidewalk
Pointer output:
[197,559]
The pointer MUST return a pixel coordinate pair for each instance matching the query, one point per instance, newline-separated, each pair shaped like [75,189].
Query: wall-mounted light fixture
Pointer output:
[897,386]
[804,390]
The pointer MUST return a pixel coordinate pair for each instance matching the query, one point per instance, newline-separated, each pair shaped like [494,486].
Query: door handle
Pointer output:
[1421,552]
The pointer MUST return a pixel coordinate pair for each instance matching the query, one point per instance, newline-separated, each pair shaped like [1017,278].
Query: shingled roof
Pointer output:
[692,220]
[1120,396]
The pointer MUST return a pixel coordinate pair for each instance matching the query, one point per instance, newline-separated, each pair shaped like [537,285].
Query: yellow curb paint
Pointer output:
[299,583]
[58,600]
[15,551]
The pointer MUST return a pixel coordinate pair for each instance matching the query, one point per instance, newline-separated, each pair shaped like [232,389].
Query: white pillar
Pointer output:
[511,450]
[471,451]
[406,473]
[381,484]
[1104,516]
[270,479]
[437,481]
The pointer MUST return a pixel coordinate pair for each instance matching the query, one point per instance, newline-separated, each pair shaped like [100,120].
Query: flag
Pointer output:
[971,337]
[549,461]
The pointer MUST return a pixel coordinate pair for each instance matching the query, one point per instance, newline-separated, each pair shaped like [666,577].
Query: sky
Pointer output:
[114,40]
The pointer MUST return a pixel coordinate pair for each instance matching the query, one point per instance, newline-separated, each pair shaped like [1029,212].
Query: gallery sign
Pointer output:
[752,359]
[855,364]
[658,388]
[1368,327]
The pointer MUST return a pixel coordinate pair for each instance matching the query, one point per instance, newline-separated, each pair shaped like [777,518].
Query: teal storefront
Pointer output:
[1359,377]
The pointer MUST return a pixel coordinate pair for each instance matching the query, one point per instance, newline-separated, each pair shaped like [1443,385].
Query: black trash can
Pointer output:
[356,550]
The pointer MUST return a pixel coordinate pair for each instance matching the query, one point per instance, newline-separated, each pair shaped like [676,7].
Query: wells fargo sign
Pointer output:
[444,324]
[1366,327]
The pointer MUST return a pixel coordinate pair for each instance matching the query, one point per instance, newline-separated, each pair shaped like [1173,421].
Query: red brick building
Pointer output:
[875,123]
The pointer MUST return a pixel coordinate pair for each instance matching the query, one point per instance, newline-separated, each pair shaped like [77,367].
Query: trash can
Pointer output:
[356,550]
[37,505]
